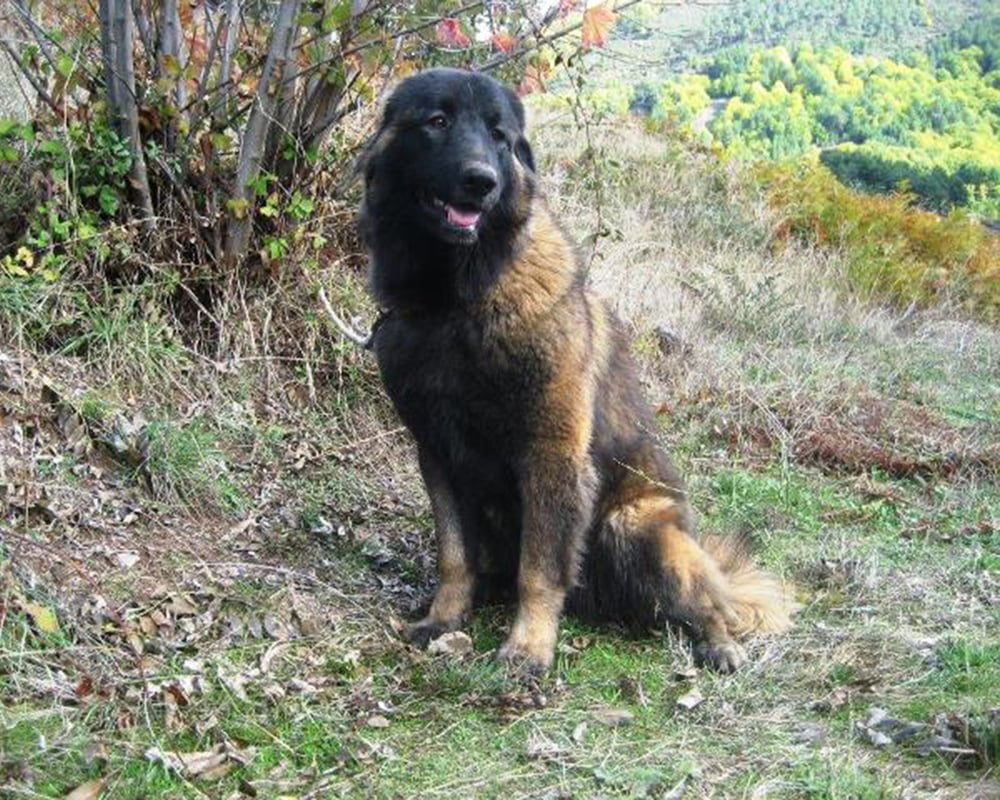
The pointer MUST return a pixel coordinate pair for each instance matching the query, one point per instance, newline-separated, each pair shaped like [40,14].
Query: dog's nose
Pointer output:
[479,179]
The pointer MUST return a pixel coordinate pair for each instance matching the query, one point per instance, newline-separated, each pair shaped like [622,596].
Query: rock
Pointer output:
[456,643]
[614,717]
[690,699]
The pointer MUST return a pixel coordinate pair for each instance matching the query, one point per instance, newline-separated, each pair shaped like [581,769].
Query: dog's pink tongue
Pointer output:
[463,219]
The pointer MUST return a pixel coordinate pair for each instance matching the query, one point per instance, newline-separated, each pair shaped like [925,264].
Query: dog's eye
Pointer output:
[439,121]
[498,135]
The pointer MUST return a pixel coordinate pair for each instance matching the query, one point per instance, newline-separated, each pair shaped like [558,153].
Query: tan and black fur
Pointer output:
[534,440]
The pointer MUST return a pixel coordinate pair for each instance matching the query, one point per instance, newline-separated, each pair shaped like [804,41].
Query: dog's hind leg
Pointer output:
[456,571]
[711,589]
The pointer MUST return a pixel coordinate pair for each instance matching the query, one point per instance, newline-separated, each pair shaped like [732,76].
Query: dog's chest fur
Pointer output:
[465,390]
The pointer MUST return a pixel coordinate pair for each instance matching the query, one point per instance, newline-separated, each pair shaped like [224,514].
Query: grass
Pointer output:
[188,463]
[281,534]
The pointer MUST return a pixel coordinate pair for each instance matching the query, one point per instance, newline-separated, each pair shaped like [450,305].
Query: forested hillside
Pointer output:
[860,26]
[888,95]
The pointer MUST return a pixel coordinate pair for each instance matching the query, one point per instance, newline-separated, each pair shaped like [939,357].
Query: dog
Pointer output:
[534,441]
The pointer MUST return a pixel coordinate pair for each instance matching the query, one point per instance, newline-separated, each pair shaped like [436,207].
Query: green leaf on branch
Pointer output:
[337,16]
[65,65]
[238,207]
[108,200]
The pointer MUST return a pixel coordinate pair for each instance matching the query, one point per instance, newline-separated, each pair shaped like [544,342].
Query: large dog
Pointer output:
[535,444]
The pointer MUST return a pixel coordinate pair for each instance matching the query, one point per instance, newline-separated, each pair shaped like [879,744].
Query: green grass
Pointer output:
[185,461]
[821,780]
[964,675]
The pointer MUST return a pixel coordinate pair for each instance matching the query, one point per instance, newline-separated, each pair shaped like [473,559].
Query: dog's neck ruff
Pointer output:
[414,273]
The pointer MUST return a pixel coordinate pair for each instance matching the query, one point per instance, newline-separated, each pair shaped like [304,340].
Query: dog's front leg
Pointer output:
[558,494]
[455,568]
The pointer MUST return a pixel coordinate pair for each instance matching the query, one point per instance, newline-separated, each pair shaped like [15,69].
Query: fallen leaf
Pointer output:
[580,732]
[242,527]
[541,747]
[205,765]
[236,683]
[838,698]
[87,791]
[455,643]
[504,42]
[275,627]
[181,605]
[255,626]
[270,654]
[274,692]
[127,560]
[45,618]
[377,721]
[810,733]
[311,623]
[301,686]
[690,699]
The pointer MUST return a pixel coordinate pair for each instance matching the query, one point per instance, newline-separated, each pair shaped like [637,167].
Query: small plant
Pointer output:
[184,461]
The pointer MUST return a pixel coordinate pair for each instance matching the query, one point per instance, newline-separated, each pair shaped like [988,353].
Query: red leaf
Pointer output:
[84,687]
[504,42]
[450,33]
[597,24]
[565,6]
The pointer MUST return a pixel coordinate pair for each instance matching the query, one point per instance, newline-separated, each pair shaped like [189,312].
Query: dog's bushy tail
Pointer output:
[759,602]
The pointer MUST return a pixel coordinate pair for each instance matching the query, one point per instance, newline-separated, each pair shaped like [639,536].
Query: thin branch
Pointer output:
[143,28]
[229,45]
[40,35]
[256,131]
[216,31]
[350,51]
[503,58]
[117,37]
[27,73]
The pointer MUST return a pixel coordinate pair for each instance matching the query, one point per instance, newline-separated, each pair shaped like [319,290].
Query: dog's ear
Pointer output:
[521,147]
[516,106]
[523,152]
[365,164]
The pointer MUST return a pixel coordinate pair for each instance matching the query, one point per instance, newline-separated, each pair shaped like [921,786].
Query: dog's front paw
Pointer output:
[725,656]
[523,660]
[425,631]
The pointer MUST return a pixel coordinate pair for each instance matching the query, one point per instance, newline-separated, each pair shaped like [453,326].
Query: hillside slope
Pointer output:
[203,561]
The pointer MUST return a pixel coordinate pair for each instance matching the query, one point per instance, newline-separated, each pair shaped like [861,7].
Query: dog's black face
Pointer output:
[450,158]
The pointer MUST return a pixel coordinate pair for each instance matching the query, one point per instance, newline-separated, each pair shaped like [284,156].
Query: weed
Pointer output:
[818,780]
[184,461]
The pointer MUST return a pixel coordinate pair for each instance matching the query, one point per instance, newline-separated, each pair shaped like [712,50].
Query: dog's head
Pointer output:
[450,157]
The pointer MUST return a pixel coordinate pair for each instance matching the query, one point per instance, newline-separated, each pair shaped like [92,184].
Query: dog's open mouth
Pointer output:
[465,219]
